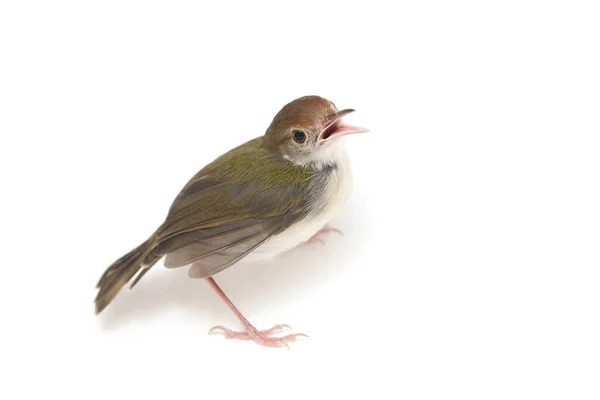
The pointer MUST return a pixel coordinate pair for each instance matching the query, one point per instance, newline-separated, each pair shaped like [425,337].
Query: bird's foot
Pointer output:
[264,338]
[326,229]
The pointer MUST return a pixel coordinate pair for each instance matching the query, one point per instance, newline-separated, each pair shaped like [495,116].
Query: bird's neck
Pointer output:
[329,155]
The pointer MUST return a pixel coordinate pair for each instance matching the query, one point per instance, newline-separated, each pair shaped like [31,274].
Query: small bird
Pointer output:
[267,196]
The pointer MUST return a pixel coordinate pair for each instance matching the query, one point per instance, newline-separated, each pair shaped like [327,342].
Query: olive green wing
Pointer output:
[230,208]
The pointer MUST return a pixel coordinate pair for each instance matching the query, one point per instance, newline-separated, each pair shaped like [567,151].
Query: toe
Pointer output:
[275,329]
[228,333]
[263,338]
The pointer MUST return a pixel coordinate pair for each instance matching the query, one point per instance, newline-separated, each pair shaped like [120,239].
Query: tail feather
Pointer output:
[121,272]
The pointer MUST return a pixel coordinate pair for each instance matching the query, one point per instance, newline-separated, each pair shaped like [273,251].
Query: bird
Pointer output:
[267,196]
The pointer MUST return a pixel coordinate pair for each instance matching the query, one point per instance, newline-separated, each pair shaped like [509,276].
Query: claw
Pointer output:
[302,335]
[336,230]
[215,329]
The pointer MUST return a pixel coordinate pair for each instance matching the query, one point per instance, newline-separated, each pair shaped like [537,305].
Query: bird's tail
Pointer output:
[121,271]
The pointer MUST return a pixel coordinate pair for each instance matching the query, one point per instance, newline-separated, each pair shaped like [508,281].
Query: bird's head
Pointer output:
[309,131]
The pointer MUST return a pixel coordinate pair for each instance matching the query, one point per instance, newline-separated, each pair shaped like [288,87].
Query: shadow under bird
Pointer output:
[267,196]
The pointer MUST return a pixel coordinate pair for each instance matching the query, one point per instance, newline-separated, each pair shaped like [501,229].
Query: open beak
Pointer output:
[335,127]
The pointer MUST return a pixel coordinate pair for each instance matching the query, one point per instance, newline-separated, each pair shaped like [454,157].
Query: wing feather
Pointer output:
[228,210]
[212,265]
[235,241]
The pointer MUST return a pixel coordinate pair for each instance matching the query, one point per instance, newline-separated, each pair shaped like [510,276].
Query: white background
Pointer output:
[469,265]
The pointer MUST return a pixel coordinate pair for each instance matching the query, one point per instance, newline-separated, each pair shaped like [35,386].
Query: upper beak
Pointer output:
[335,127]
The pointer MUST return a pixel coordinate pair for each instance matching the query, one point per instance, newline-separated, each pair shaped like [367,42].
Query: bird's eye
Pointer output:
[299,136]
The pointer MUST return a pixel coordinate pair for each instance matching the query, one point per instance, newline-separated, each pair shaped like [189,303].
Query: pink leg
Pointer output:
[326,229]
[263,338]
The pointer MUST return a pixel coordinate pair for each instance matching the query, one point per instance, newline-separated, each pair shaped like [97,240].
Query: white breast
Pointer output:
[335,193]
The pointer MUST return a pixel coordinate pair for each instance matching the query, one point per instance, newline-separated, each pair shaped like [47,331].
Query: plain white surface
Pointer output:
[469,267]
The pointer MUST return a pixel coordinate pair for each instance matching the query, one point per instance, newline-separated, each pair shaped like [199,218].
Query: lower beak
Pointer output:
[337,128]
[343,129]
